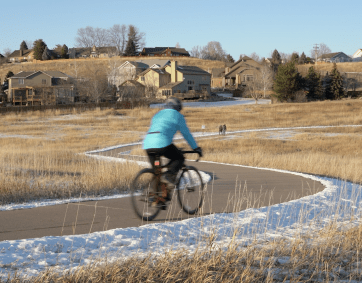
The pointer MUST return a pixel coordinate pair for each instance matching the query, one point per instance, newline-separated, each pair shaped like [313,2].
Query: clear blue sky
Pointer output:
[242,27]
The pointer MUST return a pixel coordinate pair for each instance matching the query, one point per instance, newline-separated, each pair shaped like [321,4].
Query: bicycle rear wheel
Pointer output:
[144,192]
[190,189]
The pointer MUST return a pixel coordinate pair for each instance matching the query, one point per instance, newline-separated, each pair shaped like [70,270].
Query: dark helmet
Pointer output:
[173,103]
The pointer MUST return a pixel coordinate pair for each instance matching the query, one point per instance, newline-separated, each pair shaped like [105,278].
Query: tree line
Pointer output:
[289,85]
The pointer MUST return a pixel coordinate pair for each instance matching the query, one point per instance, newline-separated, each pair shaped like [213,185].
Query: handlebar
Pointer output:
[190,151]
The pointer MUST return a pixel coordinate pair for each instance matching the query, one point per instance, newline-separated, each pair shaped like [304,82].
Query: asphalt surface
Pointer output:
[232,189]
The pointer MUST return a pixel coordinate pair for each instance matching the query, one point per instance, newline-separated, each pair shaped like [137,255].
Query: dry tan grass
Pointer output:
[80,67]
[45,161]
[342,67]
[332,254]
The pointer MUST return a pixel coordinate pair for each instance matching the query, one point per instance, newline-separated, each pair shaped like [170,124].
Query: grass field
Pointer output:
[45,161]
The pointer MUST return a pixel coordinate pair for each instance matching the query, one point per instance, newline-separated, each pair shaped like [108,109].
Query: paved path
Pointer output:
[233,189]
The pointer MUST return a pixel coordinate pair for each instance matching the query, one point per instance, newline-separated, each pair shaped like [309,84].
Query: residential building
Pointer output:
[181,81]
[357,56]
[1,56]
[93,52]
[129,70]
[184,80]
[335,57]
[164,51]
[237,74]
[40,88]
[153,79]
[21,55]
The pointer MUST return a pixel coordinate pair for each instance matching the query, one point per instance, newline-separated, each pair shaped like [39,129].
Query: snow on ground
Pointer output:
[340,202]
[236,101]
[285,220]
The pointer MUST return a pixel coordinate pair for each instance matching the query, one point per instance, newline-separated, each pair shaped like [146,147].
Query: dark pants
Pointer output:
[171,152]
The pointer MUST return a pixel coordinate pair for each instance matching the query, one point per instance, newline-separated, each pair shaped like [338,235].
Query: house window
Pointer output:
[142,79]
[44,82]
[190,88]
[21,81]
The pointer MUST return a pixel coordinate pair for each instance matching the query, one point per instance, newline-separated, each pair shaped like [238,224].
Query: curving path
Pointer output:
[233,188]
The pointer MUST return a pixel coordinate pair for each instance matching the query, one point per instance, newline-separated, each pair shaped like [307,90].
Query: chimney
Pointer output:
[173,71]
[21,52]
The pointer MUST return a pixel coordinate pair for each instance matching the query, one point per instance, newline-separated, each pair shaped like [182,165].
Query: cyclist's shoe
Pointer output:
[159,204]
[169,179]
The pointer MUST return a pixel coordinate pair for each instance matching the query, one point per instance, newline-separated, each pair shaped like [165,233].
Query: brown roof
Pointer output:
[330,55]
[161,50]
[52,74]
[16,53]
[217,72]
[192,70]
[171,85]
[136,83]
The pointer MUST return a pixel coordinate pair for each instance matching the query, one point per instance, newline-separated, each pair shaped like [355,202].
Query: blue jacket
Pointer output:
[164,126]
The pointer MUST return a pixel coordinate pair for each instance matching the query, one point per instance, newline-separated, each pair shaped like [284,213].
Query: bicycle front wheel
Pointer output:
[190,189]
[144,192]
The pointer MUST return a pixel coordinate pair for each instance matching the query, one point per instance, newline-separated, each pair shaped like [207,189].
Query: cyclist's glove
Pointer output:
[198,150]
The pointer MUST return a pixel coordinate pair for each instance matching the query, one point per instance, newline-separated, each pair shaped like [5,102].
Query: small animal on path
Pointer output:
[222,129]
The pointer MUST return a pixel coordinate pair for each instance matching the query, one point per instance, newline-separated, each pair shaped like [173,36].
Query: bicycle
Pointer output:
[149,195]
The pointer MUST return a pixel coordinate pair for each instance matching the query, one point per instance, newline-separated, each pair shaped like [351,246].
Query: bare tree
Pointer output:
[177,45]
[255,57]
[94,85]
[7,52]
[213,51]
[29,43]
[118,37]
[254,87]
[196,51]
[323,49]
[265,78]
[89,36]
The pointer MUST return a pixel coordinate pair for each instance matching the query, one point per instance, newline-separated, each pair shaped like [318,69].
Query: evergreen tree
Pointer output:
[39,46]
[337,88]
[302,59]
[276,60]
[295,57]
[23,46]
[46,54]
[130,48]
[287,82]
[64,51]
[327,80]
[8,75]
[314,85]
[230,58]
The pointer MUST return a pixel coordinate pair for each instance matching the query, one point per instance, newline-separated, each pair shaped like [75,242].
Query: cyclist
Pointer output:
[158,141]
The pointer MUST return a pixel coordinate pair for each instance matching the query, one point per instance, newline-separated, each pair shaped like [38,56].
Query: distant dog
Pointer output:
[222,129]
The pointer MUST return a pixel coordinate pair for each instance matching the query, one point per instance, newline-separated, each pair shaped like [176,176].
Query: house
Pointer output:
[164,51]
[238,74]
[21,55]
[129,70]
[185,80]
[40,88]
[335,57]
[357,56]
[181,81]
[131,89]
[93,52]
[1,56]
[153,79]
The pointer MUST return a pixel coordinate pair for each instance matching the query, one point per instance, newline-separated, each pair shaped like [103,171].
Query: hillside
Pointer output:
[327,67]
[79,67]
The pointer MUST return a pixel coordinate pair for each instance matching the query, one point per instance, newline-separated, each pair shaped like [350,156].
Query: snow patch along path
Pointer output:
[340,202]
